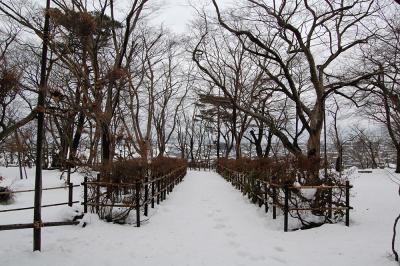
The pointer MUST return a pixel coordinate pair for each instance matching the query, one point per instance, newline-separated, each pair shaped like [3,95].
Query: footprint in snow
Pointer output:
[219,226]
[220,219]
[242,254]
[234,244]
[231,234]
[257,258]
[278,259]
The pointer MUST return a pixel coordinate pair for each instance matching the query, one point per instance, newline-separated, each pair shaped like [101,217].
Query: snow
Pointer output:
[205,221]
[68,214]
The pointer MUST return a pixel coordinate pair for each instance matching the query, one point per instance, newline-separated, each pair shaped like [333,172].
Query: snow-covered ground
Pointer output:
[205,221]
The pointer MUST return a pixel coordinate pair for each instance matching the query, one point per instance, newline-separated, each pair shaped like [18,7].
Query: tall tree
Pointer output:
[298,44]
[381,98]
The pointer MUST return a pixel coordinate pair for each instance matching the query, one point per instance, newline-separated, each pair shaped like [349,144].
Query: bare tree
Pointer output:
[140,95]
[365,147]
[11,118]
[381,98]
[174,87]
[298,43]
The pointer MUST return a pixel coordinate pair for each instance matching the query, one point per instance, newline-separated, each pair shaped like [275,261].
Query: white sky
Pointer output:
[176,14]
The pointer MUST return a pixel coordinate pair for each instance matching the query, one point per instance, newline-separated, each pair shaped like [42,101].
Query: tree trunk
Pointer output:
[238,150]
[218,131]
[191,145]
[19,146]
[144,149]
[313,156]
[105,143]
[161,151]
[106,150]
[259,150]
[269,144]
[338,164]
[374,164]
[77,136]
[257,143]
[93,147]
[398,160]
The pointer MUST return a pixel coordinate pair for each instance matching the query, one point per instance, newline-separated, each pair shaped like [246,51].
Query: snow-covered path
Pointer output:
[205,221]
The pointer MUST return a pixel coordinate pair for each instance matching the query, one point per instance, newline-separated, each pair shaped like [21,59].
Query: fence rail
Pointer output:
[32,190]
[206,165]
[32,225]
[70,202]
[265,192]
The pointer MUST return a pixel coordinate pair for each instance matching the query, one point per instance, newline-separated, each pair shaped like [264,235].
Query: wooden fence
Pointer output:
[267,193]
[205,165]
[70,202]
[148,191]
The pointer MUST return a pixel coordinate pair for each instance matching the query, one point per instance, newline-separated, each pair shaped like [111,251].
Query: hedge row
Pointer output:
[132,170]
[286,170]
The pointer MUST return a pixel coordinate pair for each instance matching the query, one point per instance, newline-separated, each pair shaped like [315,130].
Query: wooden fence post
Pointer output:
[236,178]
[98,195]
[273,202]
[85,194]
[137,203]
[286,209]
[70,194]
[158,191]
[161,190]
[152,194]
[163,193]
[259,195]
[266,197]
[239,182]
[330,203]
[347,203]
[242,183]
[165,188]
[146,197]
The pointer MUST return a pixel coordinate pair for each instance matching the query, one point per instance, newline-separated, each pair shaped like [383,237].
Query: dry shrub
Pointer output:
[164,165]
[7,197]
[293,171]
[277,171]
[132,170]
[129,172]
[285,170]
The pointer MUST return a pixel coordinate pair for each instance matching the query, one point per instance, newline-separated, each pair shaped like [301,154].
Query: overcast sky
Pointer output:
[176,14]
